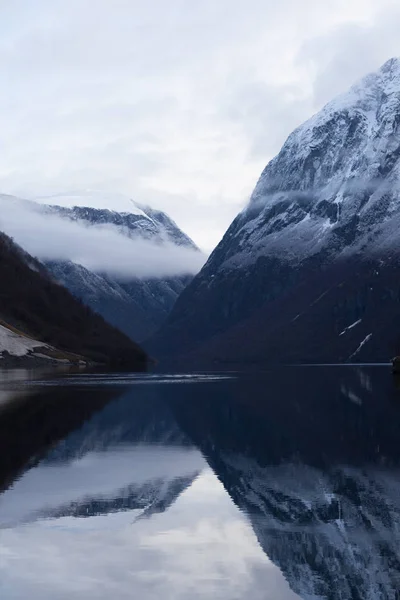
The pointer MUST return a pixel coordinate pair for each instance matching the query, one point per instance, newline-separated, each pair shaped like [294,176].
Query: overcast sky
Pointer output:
[178,103]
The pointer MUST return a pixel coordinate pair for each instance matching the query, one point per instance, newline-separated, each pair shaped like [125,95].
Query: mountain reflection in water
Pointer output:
[280,485]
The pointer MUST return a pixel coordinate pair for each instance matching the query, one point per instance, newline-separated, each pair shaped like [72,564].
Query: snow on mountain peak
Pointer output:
[94,199]
[334,183]
[372,99]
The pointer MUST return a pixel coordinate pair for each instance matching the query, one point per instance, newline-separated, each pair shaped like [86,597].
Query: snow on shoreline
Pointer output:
[15,344]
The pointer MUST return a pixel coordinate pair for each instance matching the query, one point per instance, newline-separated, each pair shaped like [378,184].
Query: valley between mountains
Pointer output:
[308,272]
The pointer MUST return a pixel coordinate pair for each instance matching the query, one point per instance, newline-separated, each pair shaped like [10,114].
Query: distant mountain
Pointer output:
[40,318]
[309,270]
[140,221]
[137,306]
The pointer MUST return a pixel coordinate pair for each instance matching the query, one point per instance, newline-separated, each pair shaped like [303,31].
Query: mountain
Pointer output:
[136,305]
[309,270]
[140,221]
[33,307]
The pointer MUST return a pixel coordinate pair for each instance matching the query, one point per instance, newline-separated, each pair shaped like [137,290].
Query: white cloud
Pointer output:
[178,104]
[99,248]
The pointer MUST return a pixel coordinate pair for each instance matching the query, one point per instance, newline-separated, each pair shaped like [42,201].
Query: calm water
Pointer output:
[276,486]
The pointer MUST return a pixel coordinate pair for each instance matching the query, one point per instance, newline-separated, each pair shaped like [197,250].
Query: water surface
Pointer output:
[275,486]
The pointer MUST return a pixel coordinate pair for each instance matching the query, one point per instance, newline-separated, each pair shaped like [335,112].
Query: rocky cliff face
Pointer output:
[324,214]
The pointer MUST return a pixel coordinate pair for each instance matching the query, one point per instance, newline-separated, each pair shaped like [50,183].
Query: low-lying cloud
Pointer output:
[103,249]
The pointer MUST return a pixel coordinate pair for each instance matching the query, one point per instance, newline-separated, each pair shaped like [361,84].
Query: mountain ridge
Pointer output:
[149,222]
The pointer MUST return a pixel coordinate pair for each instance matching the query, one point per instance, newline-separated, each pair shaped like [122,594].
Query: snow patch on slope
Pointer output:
[365,341]
[17,345]
[350,326]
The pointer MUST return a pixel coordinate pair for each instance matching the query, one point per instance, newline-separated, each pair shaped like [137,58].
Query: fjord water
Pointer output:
[265,486]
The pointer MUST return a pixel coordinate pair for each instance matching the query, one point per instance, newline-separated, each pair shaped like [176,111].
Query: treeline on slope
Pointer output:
[31,301]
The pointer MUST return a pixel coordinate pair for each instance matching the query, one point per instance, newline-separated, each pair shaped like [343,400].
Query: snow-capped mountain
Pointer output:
[314,250]
[139,221]
[136,305]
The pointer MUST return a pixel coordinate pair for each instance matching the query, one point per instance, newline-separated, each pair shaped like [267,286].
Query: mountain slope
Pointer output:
[324,214]
[137,306]
[30,301]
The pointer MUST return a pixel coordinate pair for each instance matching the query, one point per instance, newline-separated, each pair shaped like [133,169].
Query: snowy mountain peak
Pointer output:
[92,198]
[391,66]
[133,218]
[339,170]
[365,97]
[142,221]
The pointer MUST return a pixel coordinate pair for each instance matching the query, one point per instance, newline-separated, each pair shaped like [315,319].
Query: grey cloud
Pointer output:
[267,114]
[350,51]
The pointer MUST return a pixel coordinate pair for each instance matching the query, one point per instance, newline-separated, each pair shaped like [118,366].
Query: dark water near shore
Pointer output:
[273,486]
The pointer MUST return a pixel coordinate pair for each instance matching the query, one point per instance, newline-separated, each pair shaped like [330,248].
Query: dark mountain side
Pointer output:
[326,209]
[32,302]
[136,307]
[211,304]
[349,312]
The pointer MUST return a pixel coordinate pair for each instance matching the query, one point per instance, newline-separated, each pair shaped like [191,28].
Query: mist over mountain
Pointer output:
[132,244]
[309,270]
[130,267]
